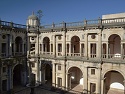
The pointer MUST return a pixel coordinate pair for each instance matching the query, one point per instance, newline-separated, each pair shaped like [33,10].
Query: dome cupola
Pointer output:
[33,20]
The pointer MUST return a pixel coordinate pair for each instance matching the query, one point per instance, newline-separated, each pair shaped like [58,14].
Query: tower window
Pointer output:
[59,67]
[92,71]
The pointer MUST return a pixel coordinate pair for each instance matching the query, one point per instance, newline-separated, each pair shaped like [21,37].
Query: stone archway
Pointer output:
[113,82]
[48,74]
[75,79]
[17,75]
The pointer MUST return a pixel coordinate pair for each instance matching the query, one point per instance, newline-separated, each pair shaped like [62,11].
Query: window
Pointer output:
[4,85]
[92,71]
[59,47]
[82,36]
[4,69]
[33,64]
[32,38]
[59,82]
[59,67]
[92,87]
[3,49]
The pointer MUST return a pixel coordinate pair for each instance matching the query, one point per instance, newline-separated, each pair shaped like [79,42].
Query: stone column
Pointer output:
[38,71]
[23,47]
[66,81]
[64,76]
[99,45]
[56,53]
[124,85]
[121,50]
[10,45]
[70,48]
[42,47]
[85,89]
[107,50]
[98,89]
[50,48]
[80,49]
[54,75]
[54,46]
[64,45]
[86,45]
[102,86]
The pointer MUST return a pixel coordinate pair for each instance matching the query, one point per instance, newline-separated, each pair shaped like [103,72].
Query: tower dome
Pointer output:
[33,20]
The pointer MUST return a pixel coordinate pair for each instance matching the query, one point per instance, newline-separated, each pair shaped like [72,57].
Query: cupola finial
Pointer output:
[33,13]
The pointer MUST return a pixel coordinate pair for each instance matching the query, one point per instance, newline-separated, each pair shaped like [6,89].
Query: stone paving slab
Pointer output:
[37,91]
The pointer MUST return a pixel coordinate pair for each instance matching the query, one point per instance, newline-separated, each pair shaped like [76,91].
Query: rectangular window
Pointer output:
[3,49]
[4,85]
[59,82]
[59,47]
[92,87]
[4,69]
[33,65]
[92,71]
[59,67]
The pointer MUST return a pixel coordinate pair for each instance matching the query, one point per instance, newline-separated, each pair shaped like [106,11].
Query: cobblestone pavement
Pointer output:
[45,89]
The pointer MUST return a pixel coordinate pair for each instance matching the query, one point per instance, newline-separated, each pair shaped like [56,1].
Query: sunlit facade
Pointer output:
[87,55]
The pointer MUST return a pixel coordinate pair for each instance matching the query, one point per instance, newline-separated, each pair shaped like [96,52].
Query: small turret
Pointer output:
[33,20]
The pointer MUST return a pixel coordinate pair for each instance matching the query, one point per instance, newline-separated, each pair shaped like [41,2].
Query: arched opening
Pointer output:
[48,74]
[18,45]
[75,44]
[75,78]
[113,82]
[114,45]
[46,44]
[17,75]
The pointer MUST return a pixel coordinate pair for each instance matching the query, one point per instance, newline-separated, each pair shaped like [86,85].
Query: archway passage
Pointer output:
[48,74]
[75,79]
[114,82]
[17,75]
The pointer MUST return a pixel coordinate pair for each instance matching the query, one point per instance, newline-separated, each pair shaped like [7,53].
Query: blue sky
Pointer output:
[57,11]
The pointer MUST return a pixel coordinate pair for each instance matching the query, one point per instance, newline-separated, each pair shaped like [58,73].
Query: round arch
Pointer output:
[75,77]
[114,41]
[18,44]
[113,81]
[46,44]
[75,44]
[114,69]
[17,74]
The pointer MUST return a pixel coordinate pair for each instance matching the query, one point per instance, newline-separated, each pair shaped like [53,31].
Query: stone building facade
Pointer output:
[13,65]
[89,53]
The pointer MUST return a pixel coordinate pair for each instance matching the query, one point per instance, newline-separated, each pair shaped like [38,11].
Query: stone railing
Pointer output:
[97,22]
[12,25]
